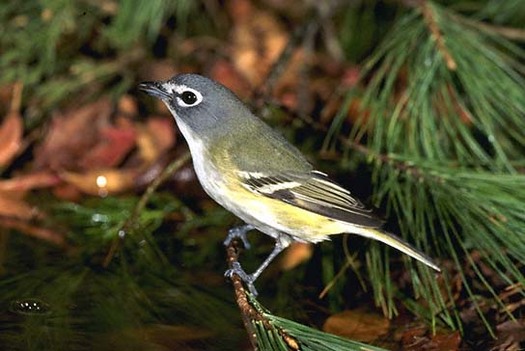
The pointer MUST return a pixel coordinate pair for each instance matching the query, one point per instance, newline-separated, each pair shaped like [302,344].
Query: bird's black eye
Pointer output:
[188,97]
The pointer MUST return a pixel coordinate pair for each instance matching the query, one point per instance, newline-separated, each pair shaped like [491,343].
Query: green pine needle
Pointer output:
[274,334]
[443,129]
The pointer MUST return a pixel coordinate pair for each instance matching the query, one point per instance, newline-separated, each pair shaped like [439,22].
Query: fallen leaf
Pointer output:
[420,338]
[511,335]
[226,74]
[102,182]
[257,40]
[29,181]
[12,205]
[11,132]
[127,106]
[444,342]
[12,128]
[157,70]
[67,192]
[113,145]
[34,231]
[6,96]
[357,325]
[71,134]
[296,254]
[155,138]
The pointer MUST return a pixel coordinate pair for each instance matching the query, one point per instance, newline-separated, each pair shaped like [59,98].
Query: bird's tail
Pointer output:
[397,243]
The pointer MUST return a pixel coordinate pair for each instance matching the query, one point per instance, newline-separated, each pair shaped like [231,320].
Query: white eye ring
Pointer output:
[182,89]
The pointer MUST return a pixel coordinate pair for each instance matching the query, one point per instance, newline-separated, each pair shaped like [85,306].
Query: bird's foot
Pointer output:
[239,233]
[248,279]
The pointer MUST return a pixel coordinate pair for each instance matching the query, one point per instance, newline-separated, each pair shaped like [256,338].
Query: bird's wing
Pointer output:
[314,192]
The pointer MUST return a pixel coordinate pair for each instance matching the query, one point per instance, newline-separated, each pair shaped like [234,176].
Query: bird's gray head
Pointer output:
[198,103]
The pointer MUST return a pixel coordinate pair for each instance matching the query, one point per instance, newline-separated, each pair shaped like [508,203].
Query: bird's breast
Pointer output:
[219,178]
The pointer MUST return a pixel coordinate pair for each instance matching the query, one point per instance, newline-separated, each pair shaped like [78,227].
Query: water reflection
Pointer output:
[30,306]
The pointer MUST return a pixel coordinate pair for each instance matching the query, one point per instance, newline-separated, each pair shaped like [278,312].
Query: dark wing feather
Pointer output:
[313,192]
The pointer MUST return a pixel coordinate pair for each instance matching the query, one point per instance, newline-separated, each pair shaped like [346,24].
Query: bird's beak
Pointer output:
[155,89]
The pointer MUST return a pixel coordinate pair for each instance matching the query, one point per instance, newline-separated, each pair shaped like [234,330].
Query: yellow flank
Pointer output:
[307,226]
[271,216]
[264,212]
[300,223]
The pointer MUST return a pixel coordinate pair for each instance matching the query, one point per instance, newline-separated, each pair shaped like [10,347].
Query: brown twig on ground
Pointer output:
[429,16]
[248,312]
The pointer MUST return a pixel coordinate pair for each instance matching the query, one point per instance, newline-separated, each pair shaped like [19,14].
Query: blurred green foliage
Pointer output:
[443,148]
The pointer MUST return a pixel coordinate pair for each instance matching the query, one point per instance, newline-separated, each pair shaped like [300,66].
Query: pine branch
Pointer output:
[436,34]
[443,102]
[269,332]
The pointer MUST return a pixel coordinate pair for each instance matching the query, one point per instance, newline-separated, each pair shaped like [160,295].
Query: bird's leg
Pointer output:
[282,242]
[239,232]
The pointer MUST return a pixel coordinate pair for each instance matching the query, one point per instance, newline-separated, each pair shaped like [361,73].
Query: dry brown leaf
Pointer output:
[357,325]
[34,231]
[72,133]
[6,96]
[420,338]
[257,40]
[157,70]
[225,73]
[12,205]
[155,138]
[296,254]
[511,334]
[67,192]
[12,127]
[29,181]
[113,145]
[127,106]
[445,342]
[11,132]
[102,182]
[164,131]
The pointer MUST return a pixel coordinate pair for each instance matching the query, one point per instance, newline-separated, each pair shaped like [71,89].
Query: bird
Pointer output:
[255,173]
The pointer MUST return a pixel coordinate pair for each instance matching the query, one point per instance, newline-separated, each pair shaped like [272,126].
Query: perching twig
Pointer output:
[248,312]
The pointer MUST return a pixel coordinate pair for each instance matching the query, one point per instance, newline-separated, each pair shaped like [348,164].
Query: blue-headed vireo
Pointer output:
[253,172]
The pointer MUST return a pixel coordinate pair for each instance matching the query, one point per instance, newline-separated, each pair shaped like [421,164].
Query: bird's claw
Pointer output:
[238,233]
[245,277]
